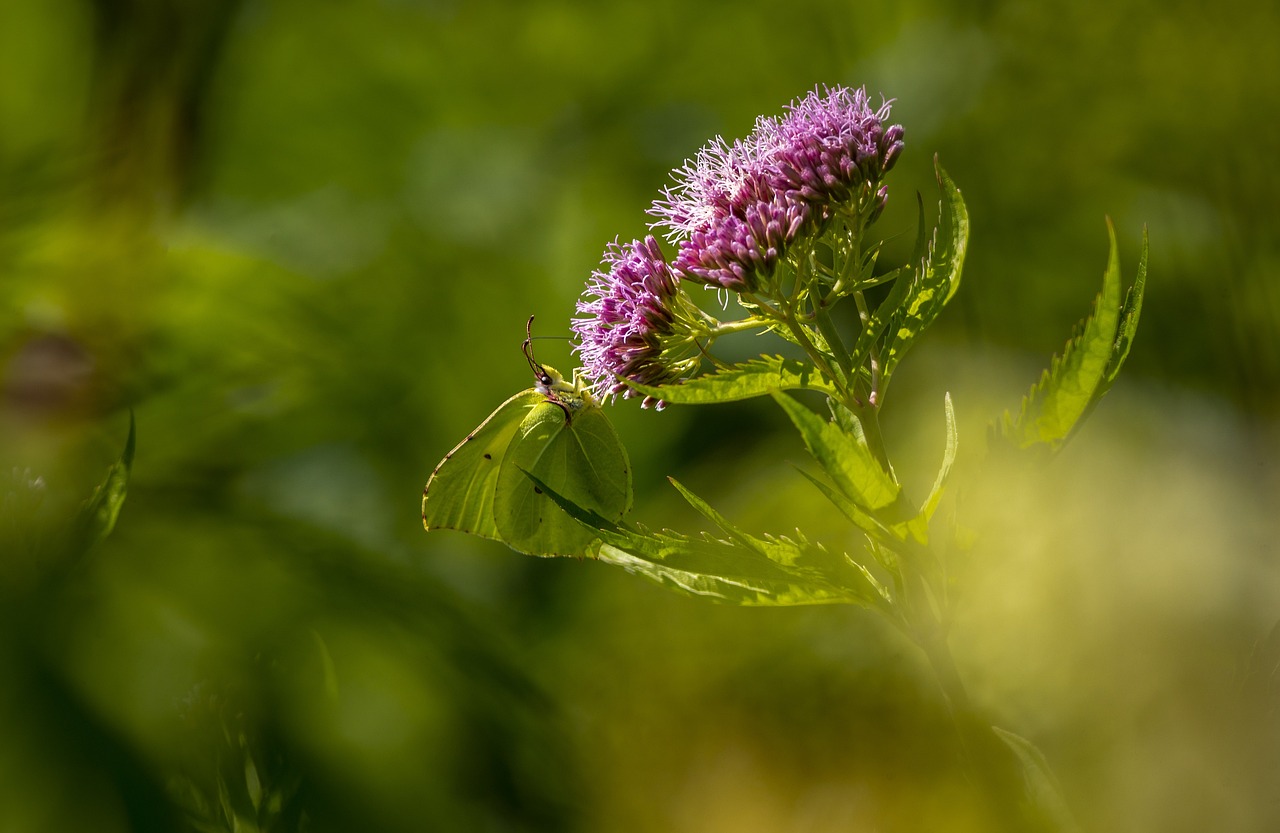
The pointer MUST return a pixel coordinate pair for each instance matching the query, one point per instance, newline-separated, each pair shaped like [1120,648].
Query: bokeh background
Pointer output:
[300,239]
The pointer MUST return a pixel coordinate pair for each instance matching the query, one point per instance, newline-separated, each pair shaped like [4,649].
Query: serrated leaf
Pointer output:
[935,282]
[1066,390]
[875,531]
[741,591]
[740,573]
[703,508]
[746,571]
[741,381]
[845,457]
[1078,378]
[856,514]
[797,554]
[1130,312]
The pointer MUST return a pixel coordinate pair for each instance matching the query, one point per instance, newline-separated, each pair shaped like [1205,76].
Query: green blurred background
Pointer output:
[300,239]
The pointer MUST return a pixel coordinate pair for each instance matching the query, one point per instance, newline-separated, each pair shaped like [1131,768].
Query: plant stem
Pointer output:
[829,332]
[768,309]
[851,260]
[815,355]
[719,329]
[987,758]
[937,651]
[873,354]
[869,416]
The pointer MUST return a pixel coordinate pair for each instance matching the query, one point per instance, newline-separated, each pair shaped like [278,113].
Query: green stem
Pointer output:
[991,766]
[801,262]
[932,639]
[829,332]
[869,416]
[989,762]
[769,311]
[851,261]
[788,317]
[719,329]
[873,354]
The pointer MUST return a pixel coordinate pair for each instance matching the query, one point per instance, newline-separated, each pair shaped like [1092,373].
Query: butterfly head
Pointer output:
[571,396]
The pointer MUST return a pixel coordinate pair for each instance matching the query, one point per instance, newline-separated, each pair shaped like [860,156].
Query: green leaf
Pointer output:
[802,558]
[846,458]
[921,247]
[887,537]
[741,381]
[917,527]
[712,515]
[98,516]
[1088,365]
[746,570]
[743,574]
[856,514]
[888,310]
[948,458]
[1065,391]
[891,307]
[1130,312]
[694,568]
[1042,795]
[933,284]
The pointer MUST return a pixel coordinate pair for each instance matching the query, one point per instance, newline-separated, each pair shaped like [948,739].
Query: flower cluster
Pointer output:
[831,145]
[743,245]
[631,309]
[733,213]
[736,208]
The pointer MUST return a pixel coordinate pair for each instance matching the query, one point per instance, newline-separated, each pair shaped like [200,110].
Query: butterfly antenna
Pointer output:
[527,348]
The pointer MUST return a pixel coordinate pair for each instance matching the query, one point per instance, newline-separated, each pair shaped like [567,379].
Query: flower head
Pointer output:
[744,245]
[720,180]
[633,313]
[735,208]
[831,143]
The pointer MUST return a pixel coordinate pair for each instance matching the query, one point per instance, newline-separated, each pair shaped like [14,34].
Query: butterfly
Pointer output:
[554,431]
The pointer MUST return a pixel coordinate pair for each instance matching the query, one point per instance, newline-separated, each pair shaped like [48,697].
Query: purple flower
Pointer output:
[735,208]
[742,245]
[720,180]
[630,308]
[831,144]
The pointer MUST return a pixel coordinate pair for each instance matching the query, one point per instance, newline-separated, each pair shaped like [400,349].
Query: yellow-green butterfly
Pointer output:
[554,431]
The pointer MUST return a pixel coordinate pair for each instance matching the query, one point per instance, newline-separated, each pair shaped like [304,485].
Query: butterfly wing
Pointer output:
[582,459]
[460,493]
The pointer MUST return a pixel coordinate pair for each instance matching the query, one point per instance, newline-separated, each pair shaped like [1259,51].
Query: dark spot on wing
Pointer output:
[488,456]
[537,490]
